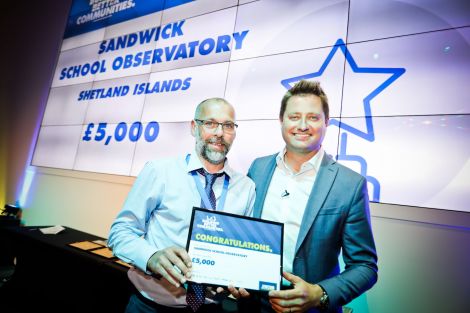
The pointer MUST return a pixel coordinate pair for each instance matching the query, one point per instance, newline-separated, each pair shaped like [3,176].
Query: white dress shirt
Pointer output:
[287,198]
[157,214]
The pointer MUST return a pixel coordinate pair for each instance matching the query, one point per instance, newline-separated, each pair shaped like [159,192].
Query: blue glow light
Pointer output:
[27,181]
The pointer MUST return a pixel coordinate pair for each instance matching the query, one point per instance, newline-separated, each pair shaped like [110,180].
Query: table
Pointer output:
[51,276]
[6,255]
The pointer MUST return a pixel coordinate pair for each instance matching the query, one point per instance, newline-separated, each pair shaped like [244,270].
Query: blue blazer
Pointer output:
[336,218]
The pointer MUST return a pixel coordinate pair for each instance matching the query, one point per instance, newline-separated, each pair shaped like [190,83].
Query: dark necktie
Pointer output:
[195,294]
[210,179]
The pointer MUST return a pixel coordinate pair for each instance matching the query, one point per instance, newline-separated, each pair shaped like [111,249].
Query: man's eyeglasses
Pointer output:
[228,127]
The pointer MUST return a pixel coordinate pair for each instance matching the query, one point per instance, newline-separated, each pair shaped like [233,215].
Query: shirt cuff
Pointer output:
[145,252]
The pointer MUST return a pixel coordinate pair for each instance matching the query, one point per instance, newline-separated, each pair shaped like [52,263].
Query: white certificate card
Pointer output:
[228,249]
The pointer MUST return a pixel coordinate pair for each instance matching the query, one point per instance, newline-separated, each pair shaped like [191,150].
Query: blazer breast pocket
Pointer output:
[330,211]
[328,224]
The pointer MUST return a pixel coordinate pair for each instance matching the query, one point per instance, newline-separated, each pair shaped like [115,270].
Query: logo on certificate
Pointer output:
[210,223]
[266,286]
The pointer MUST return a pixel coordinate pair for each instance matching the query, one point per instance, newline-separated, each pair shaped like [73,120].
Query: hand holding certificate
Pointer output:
[228,249]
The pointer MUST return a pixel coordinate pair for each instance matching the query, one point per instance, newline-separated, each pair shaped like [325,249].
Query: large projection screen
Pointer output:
[130,74]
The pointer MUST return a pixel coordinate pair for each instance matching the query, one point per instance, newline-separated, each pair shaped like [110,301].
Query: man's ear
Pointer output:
[193,128]
[327,122]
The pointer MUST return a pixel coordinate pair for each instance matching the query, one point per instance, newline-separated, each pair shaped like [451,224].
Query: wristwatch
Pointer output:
[324,301]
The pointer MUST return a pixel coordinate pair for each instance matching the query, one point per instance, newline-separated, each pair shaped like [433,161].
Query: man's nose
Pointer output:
[302,124]
[219,131]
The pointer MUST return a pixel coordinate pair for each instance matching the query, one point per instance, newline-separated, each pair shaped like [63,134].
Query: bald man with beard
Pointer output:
[151,230]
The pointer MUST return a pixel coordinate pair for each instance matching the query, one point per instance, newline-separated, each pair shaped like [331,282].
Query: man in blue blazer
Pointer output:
[324,207]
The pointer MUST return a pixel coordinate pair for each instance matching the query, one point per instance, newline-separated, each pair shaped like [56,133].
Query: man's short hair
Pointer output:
[305,88]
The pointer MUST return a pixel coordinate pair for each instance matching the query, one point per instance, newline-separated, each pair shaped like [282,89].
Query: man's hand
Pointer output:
[163,261]
[303,297]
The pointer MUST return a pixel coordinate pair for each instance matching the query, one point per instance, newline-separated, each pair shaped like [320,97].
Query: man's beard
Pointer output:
[211,156]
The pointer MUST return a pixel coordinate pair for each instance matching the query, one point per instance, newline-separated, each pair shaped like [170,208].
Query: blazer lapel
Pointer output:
[266,174]
[323,182]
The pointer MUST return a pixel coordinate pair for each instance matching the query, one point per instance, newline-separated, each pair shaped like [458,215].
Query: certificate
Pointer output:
[228,249]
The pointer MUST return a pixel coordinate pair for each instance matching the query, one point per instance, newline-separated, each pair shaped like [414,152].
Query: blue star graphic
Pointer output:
[369,133]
